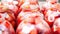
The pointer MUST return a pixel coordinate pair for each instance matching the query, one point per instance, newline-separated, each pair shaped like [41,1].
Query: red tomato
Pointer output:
[6,28]
[56,26]
[26,28]
[8,16]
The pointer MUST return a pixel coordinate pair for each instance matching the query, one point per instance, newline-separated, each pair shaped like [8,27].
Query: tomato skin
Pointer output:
[8,17]
[9,5]
[23,26]
[9,28]
[56,27]
[8,10]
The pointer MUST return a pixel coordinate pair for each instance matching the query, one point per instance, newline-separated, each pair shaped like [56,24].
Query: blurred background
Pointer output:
[44,0]
[41,2]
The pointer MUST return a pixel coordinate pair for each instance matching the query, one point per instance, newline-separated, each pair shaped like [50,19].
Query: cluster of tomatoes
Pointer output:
[27,17]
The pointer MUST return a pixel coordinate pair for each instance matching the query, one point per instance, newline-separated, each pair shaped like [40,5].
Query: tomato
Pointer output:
[26,28]
[8,17]
[42,26]
[56,26]
[27,10]
[11,5]
[6,28]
